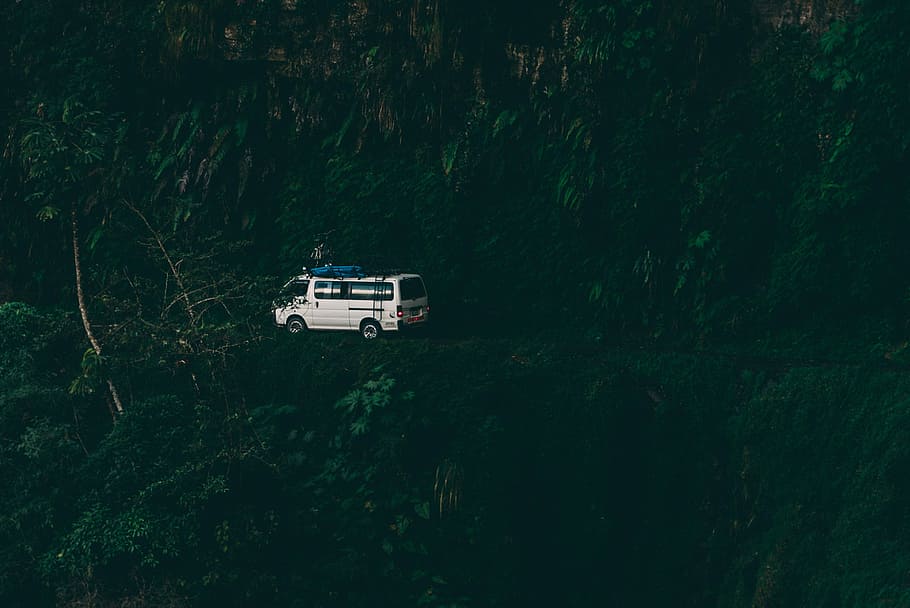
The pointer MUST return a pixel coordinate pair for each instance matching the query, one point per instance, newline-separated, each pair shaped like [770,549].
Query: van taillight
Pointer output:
[400,312]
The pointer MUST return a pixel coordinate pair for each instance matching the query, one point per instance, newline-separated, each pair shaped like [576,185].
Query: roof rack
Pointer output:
[336,272]
[331,271]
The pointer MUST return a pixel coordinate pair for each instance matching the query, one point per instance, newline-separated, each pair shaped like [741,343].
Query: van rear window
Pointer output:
[412,288]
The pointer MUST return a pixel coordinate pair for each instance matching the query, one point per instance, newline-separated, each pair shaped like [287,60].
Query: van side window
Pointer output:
[371,291]
[328,290]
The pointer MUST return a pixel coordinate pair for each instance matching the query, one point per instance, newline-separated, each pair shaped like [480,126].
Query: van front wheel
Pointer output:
[295,325]
[369,330]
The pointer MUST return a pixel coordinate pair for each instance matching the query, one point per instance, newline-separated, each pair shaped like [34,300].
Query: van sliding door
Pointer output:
[331,306]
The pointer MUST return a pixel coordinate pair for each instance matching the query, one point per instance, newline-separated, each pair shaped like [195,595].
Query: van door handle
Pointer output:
[317,304]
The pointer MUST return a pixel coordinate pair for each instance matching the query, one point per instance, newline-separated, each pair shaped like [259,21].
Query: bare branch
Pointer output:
[174,267]
[83,311]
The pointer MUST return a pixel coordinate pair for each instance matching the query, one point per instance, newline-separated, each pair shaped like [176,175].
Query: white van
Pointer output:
[346,298]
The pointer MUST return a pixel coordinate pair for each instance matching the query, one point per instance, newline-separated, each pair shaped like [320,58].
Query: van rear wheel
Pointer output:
[295,325]
[370,330]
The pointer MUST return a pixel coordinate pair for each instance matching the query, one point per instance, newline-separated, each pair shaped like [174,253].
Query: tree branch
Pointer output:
[83,311]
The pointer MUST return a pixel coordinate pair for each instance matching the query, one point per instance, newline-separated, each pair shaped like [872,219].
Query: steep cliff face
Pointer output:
[813,15]
[416,57]
[279,34]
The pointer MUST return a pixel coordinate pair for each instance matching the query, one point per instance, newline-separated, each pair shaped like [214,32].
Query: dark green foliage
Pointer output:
[837,498]
[521,475]
[41,444]
[729,177]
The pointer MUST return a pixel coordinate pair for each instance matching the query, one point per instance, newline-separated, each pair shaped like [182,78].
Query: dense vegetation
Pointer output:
[665,246]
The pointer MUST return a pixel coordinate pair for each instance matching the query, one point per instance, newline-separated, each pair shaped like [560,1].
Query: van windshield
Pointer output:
[295,288]
[412,288]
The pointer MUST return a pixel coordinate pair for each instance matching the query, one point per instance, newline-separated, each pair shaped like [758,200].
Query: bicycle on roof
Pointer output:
[322,253]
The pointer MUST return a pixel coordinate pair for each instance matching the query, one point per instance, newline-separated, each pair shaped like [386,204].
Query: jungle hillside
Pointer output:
[666,249]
